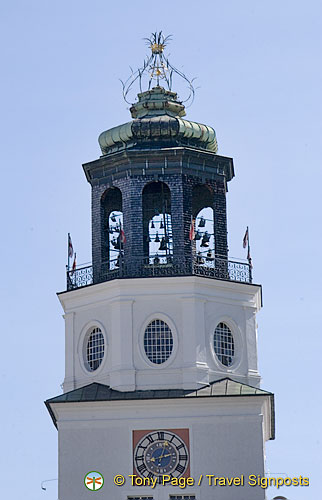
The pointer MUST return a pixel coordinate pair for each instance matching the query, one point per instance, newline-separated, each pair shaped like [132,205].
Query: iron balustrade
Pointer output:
[158,266]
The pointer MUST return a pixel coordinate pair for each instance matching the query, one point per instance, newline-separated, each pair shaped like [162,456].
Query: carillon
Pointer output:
[202,222]
[205,240]
[163,244]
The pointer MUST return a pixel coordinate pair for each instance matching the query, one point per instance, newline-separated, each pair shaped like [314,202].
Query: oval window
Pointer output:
[158,341]
[224,344]
[95,349]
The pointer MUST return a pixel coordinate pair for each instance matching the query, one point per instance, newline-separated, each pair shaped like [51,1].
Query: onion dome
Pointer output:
[158,114]
[157,123]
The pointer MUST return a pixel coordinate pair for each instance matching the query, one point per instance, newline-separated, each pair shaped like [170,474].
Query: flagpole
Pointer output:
[68,239]
[120,247]
[249,259]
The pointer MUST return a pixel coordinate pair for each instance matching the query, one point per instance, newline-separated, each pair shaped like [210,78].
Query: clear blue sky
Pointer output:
[258,68]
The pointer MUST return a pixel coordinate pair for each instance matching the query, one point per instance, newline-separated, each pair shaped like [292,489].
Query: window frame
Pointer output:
[175,496]
[225,332]
[166,319]
[82,350]
[96,330]
[140,497]
[238,344]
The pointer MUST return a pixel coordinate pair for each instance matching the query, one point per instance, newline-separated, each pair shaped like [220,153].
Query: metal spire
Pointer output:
[156,70]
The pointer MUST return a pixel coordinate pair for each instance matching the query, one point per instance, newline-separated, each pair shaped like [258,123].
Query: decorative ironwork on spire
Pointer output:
[156,70]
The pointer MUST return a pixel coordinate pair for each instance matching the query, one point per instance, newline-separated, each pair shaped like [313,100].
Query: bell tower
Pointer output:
[161,375]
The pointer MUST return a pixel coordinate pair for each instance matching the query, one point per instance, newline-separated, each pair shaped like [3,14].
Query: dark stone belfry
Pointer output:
[158,162]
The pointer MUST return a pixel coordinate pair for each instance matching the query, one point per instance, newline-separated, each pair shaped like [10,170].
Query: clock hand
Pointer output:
[153,459]
[162,453]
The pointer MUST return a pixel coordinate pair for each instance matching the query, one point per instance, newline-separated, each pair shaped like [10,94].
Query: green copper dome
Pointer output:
[157,122]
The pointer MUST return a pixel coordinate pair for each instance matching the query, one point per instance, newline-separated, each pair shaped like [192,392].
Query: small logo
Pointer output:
[94,480]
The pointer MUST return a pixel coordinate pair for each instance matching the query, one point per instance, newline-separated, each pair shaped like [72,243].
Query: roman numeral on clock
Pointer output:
[183,457]
[180,446]
[180,469]
[149,438]
[161,435]
[141,468]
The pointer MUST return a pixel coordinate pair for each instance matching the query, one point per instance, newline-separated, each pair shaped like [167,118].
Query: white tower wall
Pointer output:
[191,306]
[226,439]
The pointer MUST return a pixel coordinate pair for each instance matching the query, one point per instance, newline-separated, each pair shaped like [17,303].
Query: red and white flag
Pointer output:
[192,230]
[245,240]
[70,247]
[122,234]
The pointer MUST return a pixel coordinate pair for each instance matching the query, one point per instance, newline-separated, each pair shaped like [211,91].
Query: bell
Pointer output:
[163,244]
[113,218]
[117,243]
[157,239]
[202,222]
[161,225]
[209,256]
[152,225]
[205,240]
[197,236]
[200,259]
[119,259]
[156,260]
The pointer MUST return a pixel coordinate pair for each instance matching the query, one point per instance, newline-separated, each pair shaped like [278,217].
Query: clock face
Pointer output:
[161,452]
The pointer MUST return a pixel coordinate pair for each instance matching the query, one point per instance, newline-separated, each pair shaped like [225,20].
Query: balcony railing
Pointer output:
[149,267]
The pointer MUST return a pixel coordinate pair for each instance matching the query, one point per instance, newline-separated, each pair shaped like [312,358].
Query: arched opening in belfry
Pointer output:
[204,224]
[112,229]
[157,223]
